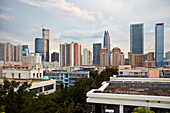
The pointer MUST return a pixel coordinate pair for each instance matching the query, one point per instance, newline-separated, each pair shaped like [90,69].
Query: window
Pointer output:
[49,87]
[19,75]
[37,75]
[121,72]
[40,75]
[37,90]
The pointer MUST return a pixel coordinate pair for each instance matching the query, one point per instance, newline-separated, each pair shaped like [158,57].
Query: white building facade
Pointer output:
[87,57]
[31,59]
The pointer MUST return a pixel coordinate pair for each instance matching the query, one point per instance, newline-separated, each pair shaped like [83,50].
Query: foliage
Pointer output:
[143,110]
[63,100]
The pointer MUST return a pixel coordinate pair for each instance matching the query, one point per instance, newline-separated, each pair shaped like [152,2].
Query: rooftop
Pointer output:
[139,88]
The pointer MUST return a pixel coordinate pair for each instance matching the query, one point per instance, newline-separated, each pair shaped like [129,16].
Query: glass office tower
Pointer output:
[42,47]
[106,41]
[136,38]
[159,44]
[96,53]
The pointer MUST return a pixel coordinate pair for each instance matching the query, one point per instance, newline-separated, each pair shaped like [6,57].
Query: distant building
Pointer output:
[45,33]
[51,65]
[122,59]
[167,55]
[68,78]
[70,54]
[104,57]
[96,53]
[106,42]
[138,60]
[116,57]
[87,57]
[25,50]
[10,54]
[159,44]
[31,59]
[126,61]
[42,47]
[136,38]
[54,57]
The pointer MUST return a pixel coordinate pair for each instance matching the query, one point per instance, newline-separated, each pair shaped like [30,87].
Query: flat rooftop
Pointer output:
[146,88]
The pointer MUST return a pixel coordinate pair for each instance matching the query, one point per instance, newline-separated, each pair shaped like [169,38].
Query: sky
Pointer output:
[83,21]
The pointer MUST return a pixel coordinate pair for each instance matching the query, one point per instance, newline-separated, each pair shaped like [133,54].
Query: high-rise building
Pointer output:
[96,53]
[167,56]
[10,54]
[104,57]
[122,59]
[116,57]
[55,56]
[159,44]
[17,53]
[136,38]
[45,33]
[87,57]
[106,41]
[25,50]
[42,47]
[70,54]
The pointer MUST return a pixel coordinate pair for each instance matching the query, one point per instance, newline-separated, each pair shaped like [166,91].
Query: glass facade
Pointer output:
[42,47]
[25,50]
[159,45]
[167,55]
[136,39]
[96,53]
[106,41]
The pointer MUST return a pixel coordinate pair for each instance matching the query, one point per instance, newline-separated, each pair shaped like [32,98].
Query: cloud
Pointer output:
[68,7]
[5,8]
[6,17]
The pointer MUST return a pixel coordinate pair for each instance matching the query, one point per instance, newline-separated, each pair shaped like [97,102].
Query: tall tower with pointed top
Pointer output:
[106,41]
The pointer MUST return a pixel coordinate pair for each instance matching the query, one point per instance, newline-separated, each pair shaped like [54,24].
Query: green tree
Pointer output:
[142,110]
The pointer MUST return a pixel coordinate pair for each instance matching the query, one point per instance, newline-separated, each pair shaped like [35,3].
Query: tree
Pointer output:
[143,110]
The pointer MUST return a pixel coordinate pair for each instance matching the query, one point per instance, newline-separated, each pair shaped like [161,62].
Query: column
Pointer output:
[121,109]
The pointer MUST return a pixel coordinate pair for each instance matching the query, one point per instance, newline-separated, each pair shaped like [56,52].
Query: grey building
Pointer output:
[136,38]
[96,53]
[62,55]
[159,44]
[55,57]
[10,53]
[42,47]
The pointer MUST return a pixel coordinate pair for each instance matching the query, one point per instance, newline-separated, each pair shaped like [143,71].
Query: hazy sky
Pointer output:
[82,21]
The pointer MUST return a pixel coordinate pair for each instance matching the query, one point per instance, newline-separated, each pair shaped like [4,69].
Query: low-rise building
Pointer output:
[67,77]
[38,86]
[22,72]
[123,95]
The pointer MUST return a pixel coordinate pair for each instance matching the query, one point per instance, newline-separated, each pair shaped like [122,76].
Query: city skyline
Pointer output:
[68,21]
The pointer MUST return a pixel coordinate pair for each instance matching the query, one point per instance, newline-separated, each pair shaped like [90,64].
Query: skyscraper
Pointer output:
[96,53]
[104,57]
[159,44]
[116,57]
[87,57]
[70,54]
[106,41]
[42,45]
[25,50]
[136,39]
[45,33]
